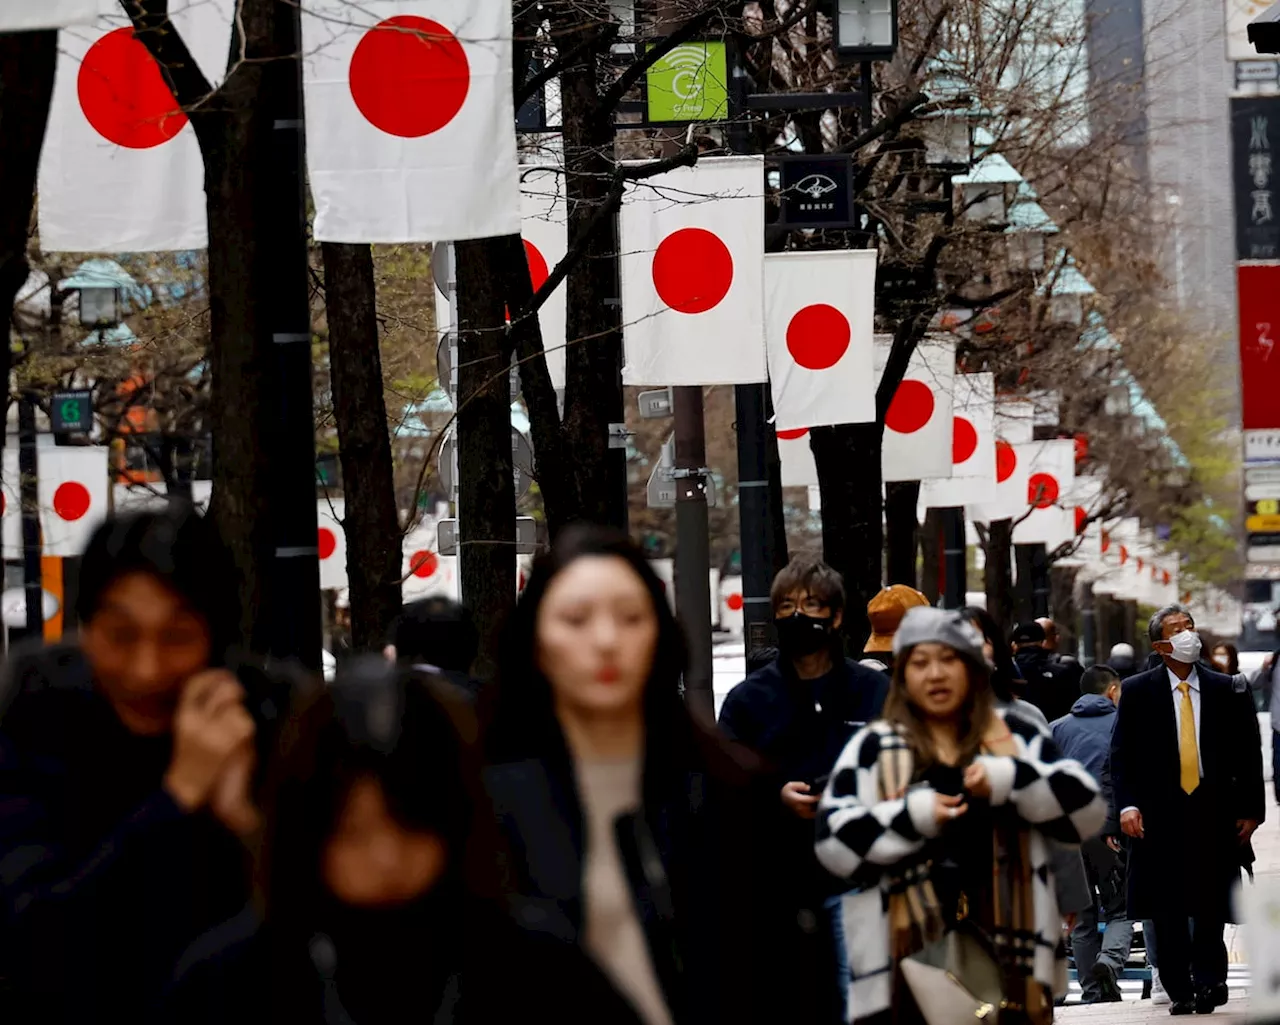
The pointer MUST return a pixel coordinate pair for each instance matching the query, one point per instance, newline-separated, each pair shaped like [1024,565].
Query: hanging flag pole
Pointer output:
[295,568]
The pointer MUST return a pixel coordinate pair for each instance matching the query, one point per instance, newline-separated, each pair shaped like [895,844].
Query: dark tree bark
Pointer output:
[852,529]
[234,127]
[1062,606]
[486,499]
[27,64]
[902,531]
[364,446]
[998,574]
[931,556]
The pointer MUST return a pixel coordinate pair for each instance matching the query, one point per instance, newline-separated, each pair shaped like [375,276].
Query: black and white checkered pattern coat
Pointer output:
[860,837]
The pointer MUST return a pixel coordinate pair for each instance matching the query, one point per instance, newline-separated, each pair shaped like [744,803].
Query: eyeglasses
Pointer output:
[809,605]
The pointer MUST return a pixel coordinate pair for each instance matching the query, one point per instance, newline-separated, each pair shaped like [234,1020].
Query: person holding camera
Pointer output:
[797,713]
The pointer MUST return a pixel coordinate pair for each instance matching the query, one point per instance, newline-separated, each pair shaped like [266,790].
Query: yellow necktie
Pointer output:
[1188,757]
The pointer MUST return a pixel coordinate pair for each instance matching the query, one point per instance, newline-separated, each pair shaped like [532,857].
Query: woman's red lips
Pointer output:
[609,674]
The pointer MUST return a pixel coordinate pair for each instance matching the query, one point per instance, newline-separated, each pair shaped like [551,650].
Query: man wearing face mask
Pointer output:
[1186,771]
[799,711]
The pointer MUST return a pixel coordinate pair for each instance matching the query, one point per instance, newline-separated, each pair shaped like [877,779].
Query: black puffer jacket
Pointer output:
[104,881]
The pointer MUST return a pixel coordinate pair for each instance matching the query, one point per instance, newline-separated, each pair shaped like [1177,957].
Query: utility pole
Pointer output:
[955,566]
[693,548]
[29,477]
[294,604]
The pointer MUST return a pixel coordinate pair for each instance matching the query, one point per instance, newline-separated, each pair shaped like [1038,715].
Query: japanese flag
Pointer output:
[1013,471]
[819,309]
[973,447]
[731,605]
[72,491]
[1085,500]
[425,572]
[917,428]
[121,171]
[331,542]
[799,468]
[410,127]
[693,275]
[1016,420]
[545,228]
[22,15]
[1050,513]
[11,503]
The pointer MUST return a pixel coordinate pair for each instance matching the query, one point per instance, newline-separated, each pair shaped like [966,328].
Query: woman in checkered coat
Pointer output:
[940,813]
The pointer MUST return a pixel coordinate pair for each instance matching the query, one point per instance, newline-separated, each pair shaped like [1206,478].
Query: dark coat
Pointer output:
[705,874]
[104,881]
[1185,865]
[1052,686]
[1085,734]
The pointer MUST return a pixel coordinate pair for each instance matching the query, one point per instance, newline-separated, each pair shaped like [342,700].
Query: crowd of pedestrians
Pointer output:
[189,834]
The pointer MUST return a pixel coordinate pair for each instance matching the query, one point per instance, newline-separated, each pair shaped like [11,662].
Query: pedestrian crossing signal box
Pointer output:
[71,412]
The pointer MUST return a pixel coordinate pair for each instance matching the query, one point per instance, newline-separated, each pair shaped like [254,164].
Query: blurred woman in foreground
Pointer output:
[635,878]
[951,801]
[358,877]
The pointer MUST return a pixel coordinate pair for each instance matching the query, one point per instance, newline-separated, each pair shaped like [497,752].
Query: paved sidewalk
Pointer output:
[1266,844]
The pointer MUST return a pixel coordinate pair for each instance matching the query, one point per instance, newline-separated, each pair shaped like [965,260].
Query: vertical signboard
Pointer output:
[1255,146]
[1258,286]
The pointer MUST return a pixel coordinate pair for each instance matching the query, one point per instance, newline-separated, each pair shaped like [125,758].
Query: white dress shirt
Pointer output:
[1194,681]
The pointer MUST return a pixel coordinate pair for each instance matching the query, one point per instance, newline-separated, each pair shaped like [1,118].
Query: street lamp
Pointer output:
[99,306]
[866,29]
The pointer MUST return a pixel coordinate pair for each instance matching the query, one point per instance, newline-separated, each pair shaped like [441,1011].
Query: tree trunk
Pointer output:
[902,530]
[486,489]
[998,574]
[27,63]
[931,556]
[848,460]
[374,542]
[1062,607]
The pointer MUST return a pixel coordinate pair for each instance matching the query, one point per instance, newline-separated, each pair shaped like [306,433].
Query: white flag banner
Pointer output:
[819,309]
[1016,421]
[1117,558]
[410,125]
[799,470]
[331,542]
[24,15]
[11,505]
[918,426]
[72,488]
[973,447]
[1013,471]
[693,275]
[426,573]
[1050,513]
[1086,501]
[544,226]
[121,171]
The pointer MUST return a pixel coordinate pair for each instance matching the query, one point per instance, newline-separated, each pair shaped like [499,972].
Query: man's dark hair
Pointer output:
[1028,633]
[438,632]
[179,548]
[811,575]
[1098,678]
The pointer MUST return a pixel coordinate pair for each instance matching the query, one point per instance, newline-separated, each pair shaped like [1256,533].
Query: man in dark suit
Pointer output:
[1186,767]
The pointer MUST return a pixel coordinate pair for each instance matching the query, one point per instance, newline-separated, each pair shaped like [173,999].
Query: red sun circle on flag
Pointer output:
[1106,541]
[911,408]
[72,500]
[1081,516]
[424,564]
[818,337]
[124,95]
[1124,555]
[964,440]
[409,76]
[799,432]
[734,601]
[326,542]
[692,270]
[1042,490]
[1006,461]
[538,269]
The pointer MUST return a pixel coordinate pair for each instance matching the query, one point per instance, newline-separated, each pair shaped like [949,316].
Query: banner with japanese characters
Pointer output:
[1255,149]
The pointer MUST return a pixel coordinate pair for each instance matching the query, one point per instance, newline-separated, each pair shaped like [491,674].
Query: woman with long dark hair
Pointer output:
[950,802]
[357,914]
[635,877]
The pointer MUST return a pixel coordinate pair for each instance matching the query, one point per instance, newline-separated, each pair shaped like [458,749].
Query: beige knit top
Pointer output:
[614,936]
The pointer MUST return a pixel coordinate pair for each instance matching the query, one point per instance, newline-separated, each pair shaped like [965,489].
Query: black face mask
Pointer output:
[800,635]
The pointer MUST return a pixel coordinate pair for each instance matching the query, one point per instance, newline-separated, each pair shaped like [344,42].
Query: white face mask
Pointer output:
[1186,646]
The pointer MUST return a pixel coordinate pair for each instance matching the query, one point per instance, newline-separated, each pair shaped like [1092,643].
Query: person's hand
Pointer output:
[1070,918]
[231,802]
[976,780]
[796,796]
[209,728]
[1131,823]
[947,807]
[1245,829]
[1114,843]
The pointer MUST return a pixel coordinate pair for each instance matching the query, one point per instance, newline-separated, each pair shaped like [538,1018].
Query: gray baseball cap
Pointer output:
[927,625]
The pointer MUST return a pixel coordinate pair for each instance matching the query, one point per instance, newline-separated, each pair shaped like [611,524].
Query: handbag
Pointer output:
[956,980]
